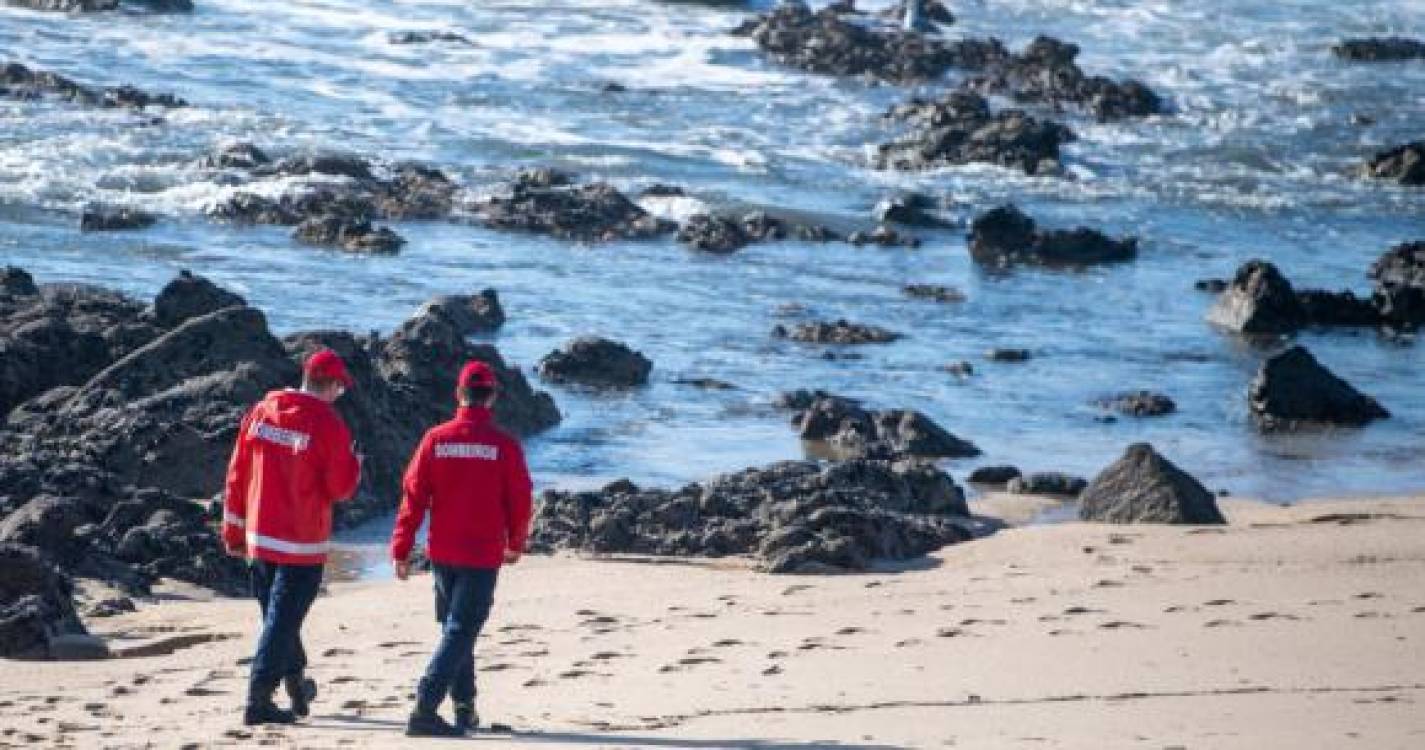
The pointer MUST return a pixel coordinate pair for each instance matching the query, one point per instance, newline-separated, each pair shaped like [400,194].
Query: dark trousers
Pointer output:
[463,597]
[285,593]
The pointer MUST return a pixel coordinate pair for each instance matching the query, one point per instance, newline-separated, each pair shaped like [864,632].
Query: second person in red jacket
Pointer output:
[471,478]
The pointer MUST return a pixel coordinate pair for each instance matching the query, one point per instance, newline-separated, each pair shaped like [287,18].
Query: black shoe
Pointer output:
[301,691]
[266,713]
[466,720]
[430,725]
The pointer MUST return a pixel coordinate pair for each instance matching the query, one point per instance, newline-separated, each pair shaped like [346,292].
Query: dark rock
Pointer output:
[910,209]
[995,475]
[1325,308]
[960,129]
[1214,286]
[1145,487]
[542,177]
[331,164]
[17,283]
[1400,284]
[426,37]
[48,523]
[793,516]
[828,42]
[35,606]
[1047,483]
[707,384]
[839,332]
[1008,355]
[930,10]
[110,219]
[188,296]
[595,212]
[1260,301]
[1292,388]
[20,82]
[1377,49]
[882,236]
[854,432]
[111,607]
[1045,72]
[594,361]
[933,292]
[1403,164]
[960,369]
[236,156]
[356,236]
[660,190]
[714,234]
[1005,236]
[1138,404]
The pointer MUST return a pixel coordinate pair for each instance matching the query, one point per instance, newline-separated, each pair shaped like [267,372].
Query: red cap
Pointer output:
[476,374]
[326,365]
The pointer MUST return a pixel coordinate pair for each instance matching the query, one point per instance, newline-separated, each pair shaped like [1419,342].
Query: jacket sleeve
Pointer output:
[519,505]
[415,501]
[236,487]
[342,471]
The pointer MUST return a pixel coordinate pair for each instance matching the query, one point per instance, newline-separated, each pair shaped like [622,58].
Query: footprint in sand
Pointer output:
[1260,616]
[772,670]
[1221,624]
[692,661]
[574,674]
[1122,625]
[976,621]
[344,680]
[536,682]
[952,633]
[1369,595]
[727,643]
[788,591]
[1372,615]
[777,654]
[1108,584]
[397,644]
[908,643]
[1082,610]
[606,656]
[1218,603]
[331,652]
[851,631]
[1418,610]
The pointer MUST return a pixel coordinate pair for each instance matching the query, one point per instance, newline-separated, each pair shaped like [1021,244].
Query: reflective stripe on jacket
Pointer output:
[472,479]
[292,461]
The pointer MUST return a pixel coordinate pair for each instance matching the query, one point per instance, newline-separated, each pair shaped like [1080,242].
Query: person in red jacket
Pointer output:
[292,461]
[472,479]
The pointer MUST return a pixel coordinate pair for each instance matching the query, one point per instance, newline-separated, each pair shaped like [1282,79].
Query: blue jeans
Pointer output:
[463,597]
[285,593]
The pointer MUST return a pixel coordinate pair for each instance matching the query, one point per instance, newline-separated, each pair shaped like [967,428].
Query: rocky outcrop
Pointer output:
[839,332]
[1005,236]
[1045,73]
[96,6]
[728,234]
[598,362]
[119,417]
[854,432]
[1138,404]
[1404,165]
[1047,483]
[35,606]
[833,43]
[427,37]
[20,82]
[113,219]
[909,209]
[933,292]
[351,235]
[1145,487]
[1380,49]
[1400,284]
[595,212]
[961,129]
[1292,389]
[794,517]
[994,475]
[1261,301]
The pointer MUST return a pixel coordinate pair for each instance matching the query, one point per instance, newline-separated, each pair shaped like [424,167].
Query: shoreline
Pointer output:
[1300,626]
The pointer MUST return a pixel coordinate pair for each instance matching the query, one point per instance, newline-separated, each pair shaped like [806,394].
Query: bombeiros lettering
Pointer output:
[467,450]
[297,441]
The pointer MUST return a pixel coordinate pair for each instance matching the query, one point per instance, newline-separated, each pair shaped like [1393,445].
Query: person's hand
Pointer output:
[403,568]
[512,556]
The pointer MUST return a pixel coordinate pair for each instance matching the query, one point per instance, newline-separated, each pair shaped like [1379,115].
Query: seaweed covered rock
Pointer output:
[1145,487]
[794,517]
[961,129]
[728,234]
[595,361]
[1046,72]
[354,236]
[855,432]
[1005,236]
[1138,404]
[1293,389]
[339,191]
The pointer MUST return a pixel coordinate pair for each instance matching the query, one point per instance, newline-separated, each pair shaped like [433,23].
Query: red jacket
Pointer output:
[293,459]
[472,478]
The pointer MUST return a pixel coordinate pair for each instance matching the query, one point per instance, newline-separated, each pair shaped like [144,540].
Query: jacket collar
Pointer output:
[476,414]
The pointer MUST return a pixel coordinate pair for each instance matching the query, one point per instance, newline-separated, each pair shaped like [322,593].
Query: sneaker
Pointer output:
[430,725]
[301,691]
[466,720]
[266,713]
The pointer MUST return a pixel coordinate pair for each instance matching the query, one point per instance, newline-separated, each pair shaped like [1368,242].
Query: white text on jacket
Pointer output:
[467,450]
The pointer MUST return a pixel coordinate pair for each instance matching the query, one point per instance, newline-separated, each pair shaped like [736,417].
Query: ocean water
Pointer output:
[1252,162]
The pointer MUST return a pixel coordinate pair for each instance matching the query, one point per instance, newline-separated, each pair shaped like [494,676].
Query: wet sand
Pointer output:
[1293,627]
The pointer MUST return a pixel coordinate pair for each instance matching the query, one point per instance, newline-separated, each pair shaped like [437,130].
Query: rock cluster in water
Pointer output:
[117,418]
[853,431]
[20,82]
[1292,389]
[1378,49]
[961,129]
[1261,301]
[1403,164]
[1006,236]
[838,332]
[794,517]
[595,361]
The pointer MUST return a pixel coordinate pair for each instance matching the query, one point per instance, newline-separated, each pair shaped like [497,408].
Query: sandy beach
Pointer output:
[1292,627]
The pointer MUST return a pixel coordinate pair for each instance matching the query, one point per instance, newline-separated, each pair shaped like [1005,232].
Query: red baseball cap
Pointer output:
[476,374]
[325,364]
